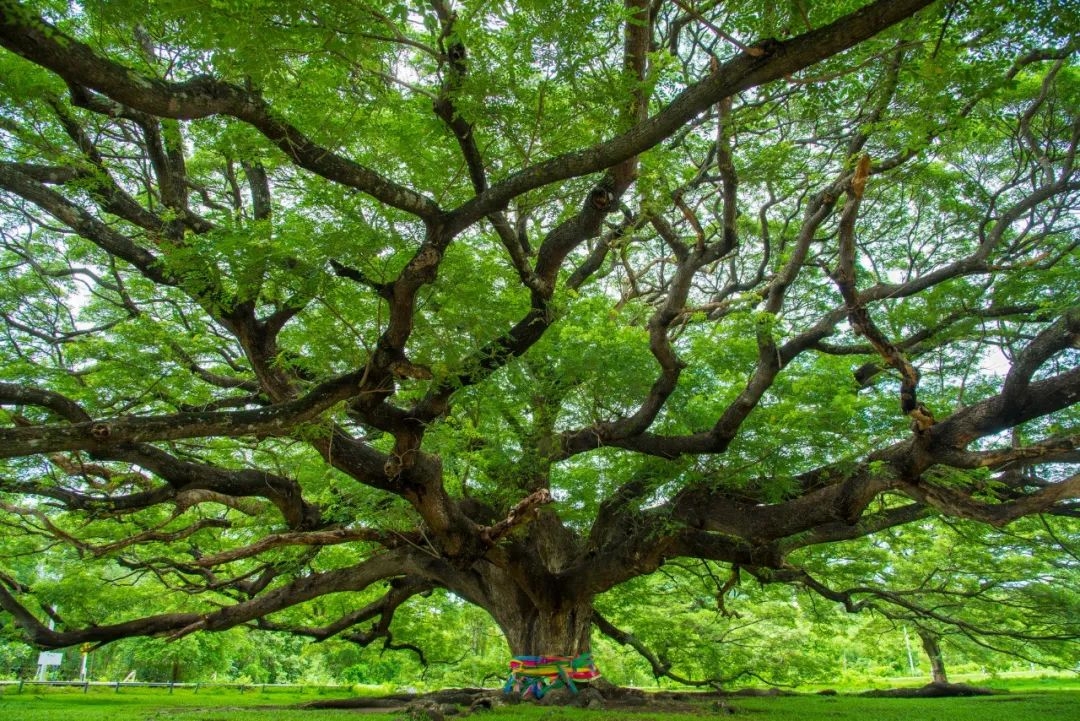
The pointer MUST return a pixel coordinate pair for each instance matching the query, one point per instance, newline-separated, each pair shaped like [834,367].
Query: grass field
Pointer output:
[1032,700]
[103,704]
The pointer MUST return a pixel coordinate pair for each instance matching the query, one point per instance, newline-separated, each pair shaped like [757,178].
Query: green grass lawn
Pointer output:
[1029,701]
[103,704]
[1055,705]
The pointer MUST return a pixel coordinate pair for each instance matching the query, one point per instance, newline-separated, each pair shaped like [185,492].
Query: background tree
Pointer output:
[963,589]
[312,309]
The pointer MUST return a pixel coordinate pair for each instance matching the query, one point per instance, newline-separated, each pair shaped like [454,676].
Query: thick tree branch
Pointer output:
[100,435]
[960,504]
[176,625]
[776,60]
[400,591]
[29,36]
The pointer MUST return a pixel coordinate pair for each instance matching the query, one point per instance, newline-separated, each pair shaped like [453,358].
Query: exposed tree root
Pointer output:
[934,690]
[456,697]
[440,704]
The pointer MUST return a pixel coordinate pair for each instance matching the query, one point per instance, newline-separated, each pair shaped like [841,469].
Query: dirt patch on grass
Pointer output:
[462,702]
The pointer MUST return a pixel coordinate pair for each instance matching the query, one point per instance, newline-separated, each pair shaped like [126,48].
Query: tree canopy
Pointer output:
[311,309]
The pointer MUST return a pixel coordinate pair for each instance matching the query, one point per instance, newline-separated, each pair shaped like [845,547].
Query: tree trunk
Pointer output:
[540,610]
[550,646]
[933,651]
[539,621]
[563,631]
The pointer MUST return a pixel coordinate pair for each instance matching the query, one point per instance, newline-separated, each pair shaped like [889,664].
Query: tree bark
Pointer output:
[559,631]
[530,588]
[538,615]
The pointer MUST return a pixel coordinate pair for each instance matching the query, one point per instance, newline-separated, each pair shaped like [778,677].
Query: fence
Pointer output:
[117,685]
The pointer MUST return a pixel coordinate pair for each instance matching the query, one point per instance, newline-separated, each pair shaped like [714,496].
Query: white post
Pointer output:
[44,658]
[910,658]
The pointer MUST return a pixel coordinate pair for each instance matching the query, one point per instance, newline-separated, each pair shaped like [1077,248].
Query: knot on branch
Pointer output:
[763,48]
[404,368]
[862,172]
[100,431]
[525,510]
[456,53]
[922,418]
[602,198]
[393,466]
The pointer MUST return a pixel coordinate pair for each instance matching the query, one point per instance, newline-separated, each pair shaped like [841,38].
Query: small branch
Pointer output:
[309,538]
[401,590]
[385,290]
[960,504]
[31,37]
[859,317]
[660,668]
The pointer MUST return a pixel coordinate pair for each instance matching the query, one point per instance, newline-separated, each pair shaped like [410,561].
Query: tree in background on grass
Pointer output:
[313,309]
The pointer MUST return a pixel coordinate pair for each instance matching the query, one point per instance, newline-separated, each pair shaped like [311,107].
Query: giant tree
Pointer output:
[311,308]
